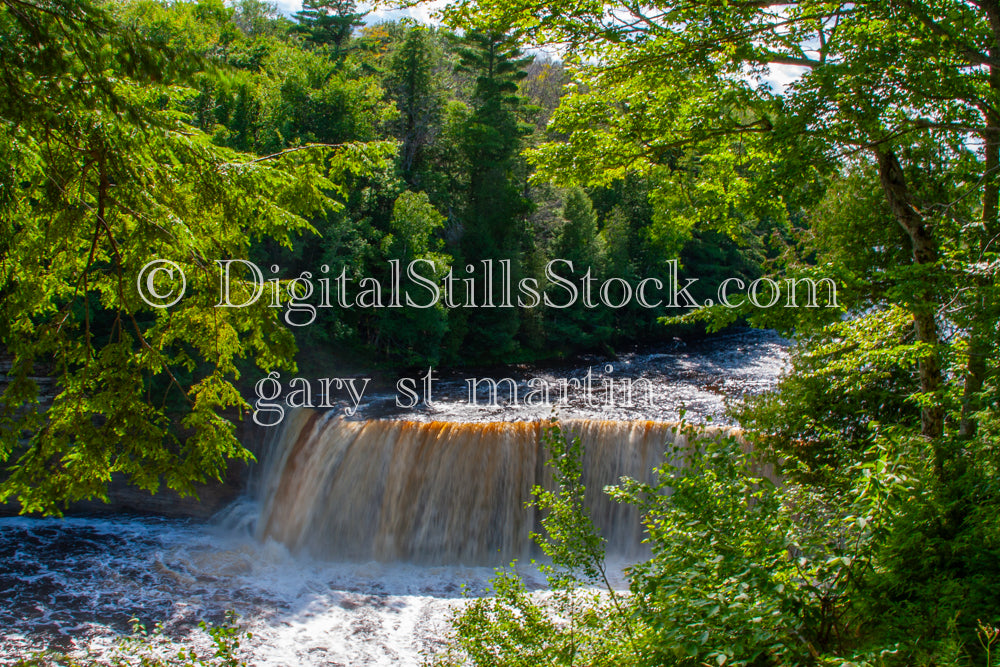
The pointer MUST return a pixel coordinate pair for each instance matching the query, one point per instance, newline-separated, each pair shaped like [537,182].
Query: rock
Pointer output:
[209,499]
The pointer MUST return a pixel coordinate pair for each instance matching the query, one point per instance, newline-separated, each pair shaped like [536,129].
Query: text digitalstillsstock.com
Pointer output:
[421,284]
[490,284]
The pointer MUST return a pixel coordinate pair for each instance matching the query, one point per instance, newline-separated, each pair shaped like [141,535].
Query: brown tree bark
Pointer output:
[980,334]
[924,253]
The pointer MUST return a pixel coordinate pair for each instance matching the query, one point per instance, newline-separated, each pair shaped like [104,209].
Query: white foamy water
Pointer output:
[74,584]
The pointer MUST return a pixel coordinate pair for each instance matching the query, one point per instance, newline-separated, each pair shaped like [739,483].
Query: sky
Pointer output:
[781,75]
[420,13]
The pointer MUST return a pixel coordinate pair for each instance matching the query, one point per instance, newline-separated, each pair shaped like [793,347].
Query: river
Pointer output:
[342,555]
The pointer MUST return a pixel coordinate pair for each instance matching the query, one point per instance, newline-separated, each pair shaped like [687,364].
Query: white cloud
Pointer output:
[423,12]
[288,7]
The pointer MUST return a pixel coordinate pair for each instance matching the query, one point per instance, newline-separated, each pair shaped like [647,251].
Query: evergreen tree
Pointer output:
[102,176]
[578,242]
[328,22]
[414,334]
[578,239]
[492,142]
[496,206]
[412,84]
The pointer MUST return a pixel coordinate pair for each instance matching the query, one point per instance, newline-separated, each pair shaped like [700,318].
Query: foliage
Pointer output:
[514,628]
[875,165]
[413,81]
[415,334]
[102,176]
[894,98]
[195,131]
[328,22]
[745,572]
[570,539]
[495,208]
[571,624]
[461,109]
[577,241]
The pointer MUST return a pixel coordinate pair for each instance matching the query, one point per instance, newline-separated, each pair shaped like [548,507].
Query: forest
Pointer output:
[799,140]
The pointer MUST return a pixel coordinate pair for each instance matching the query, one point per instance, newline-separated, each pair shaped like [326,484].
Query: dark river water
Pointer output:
[695,381]
[74,584]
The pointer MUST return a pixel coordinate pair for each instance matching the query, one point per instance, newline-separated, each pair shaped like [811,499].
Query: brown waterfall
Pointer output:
[439,491]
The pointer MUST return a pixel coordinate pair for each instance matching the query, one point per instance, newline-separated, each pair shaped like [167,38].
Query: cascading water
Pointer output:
[352,493]
[441,492]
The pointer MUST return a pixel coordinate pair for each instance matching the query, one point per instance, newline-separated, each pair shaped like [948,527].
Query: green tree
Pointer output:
[577,241]
[412,82]
[102,171]
[415,334]
[492,141]
[910,88]
[543,86]
[257,18]
[890,124]
[328,23]
[495,208]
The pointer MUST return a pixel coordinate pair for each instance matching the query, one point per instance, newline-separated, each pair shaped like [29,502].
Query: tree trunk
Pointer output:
[982,322]
[924,253]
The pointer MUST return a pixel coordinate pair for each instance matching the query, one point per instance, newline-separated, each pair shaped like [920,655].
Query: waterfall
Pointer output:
[440,492]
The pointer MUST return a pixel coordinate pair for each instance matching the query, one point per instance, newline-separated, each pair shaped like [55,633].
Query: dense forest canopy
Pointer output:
[199,131]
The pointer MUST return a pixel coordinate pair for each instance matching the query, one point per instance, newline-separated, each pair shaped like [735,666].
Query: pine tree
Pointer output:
[328,22]
[578,242]
[496,205]
[412,83]
[492,142]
